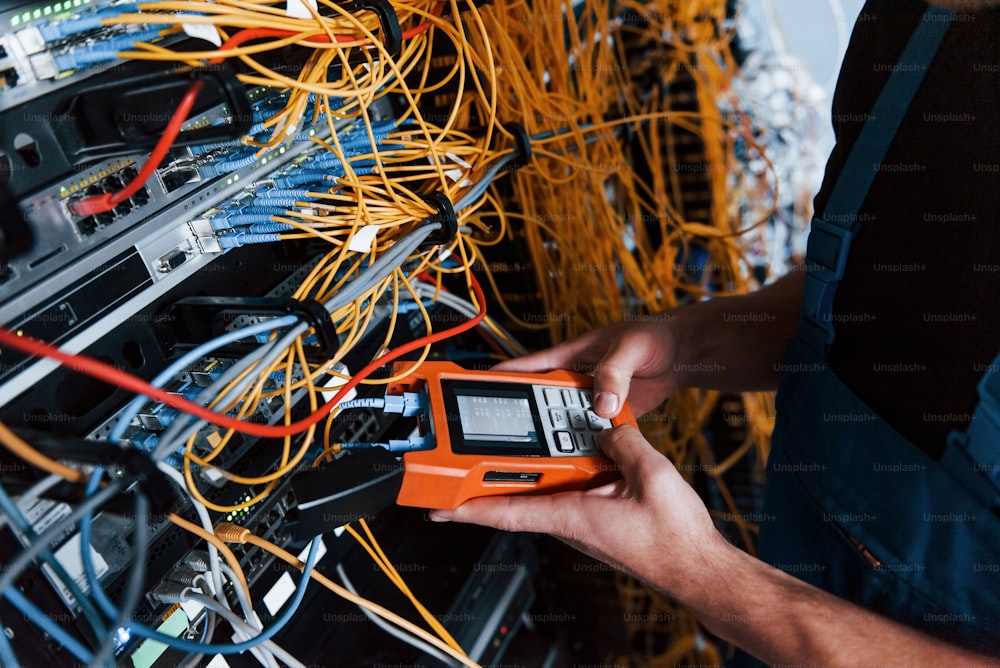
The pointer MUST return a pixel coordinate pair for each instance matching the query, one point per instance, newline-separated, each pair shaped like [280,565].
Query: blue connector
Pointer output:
[54,31]
[145,441]
[411,444]
[409,404]
[228,241]
[105,51]
[299,178]
[228,221]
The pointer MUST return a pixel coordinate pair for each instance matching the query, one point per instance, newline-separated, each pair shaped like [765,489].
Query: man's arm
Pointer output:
[733,343]
[782,620]
[737,343]
[652,525]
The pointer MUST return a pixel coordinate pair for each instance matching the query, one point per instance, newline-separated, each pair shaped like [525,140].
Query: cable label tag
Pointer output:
[203,31]
[298,9]
[362,240]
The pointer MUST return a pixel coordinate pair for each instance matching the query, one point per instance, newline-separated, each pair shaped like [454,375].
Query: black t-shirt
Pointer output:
[916,316]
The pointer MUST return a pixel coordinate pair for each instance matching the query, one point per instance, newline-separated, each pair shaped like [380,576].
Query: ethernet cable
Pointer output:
[215,566]
[184,426]
[141,630]
[135,583]
[236,621]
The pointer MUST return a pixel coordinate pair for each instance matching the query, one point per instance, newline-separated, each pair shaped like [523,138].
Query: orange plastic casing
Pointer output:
[440,478]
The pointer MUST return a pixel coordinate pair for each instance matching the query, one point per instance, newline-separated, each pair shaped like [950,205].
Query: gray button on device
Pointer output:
[596,422]
[585,441]
[553,397]
[558,419]
[577,420]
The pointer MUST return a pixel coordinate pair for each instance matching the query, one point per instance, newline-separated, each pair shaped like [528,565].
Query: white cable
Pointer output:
[274,649]
[408,638]
[245,604]
[215,565]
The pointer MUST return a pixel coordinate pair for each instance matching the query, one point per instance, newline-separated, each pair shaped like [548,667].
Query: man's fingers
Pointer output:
[535,514]
[630,451]
[583,350]
[613,374]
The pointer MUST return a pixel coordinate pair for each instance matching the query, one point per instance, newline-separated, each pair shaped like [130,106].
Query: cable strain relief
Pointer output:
[88,206]
[444,215]
[232,533]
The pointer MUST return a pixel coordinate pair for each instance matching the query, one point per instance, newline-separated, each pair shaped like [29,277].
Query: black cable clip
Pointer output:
[445,215]
[392,33]
[522,145]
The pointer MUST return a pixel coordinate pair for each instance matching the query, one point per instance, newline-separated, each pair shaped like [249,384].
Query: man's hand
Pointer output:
[631,361]
[650,524]
[734,344]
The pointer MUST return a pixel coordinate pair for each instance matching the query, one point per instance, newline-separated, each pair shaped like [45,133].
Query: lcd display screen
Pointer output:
[493,418]
[498,419]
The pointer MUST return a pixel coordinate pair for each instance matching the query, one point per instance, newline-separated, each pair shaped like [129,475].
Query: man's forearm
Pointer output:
[737,343]
[782,620]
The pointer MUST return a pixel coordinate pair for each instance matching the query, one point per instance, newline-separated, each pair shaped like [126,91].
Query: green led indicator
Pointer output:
[77,3]
[15,20]
[37,14]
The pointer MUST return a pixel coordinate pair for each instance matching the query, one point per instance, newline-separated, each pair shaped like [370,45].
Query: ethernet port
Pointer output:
[87,226]
[129,173]
[112,184]
[93,190]
[10,77]
[176,178]
[141,197]
[105,218]
[124,208]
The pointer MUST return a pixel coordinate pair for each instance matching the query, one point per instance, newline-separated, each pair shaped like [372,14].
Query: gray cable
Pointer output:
[185,425]
[215,564]
[484,182]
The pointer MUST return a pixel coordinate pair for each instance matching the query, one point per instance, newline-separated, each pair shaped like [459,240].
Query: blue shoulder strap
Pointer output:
[831,233]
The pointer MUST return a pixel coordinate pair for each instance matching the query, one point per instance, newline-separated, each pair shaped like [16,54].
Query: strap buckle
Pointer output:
[826,259]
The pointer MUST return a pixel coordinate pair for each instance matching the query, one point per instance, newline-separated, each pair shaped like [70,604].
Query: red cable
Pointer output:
[110,374]
[104,202]
[416,30]
[88,206]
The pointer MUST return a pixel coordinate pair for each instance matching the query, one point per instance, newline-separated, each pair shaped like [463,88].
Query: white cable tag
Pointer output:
[203,31]
[297,8]
[362,240]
